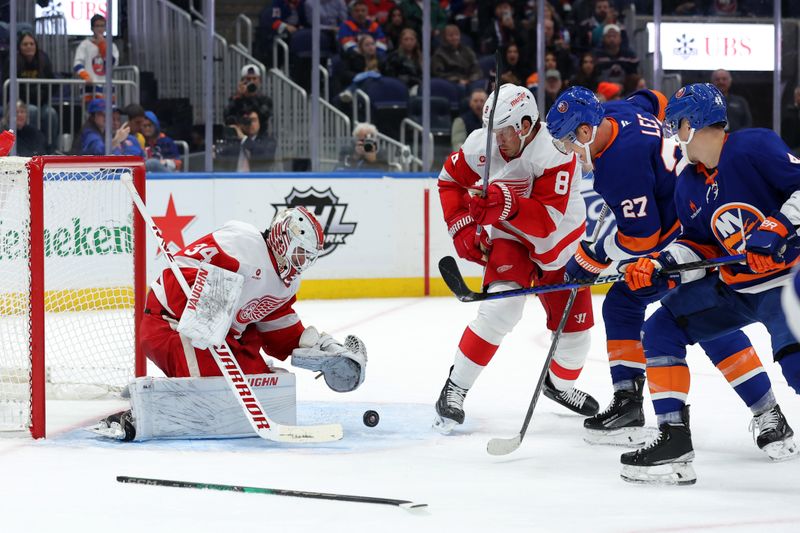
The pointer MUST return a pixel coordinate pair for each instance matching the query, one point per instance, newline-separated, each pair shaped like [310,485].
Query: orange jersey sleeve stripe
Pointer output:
[649,243]
[732,278]
[614,132]
[667,379]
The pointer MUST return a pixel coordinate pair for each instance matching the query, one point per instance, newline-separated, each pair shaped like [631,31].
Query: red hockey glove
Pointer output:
[766,244]
[469,245]
[499,204]
[7,139]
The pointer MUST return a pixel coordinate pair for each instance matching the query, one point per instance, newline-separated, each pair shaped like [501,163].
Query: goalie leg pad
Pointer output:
[342,365]
[198,408]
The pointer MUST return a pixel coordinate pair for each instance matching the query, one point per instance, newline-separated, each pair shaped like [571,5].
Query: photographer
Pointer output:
[248,96]
[363,154]
[247,146]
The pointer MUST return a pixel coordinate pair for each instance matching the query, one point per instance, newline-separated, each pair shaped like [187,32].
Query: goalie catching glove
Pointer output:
[342,365]
[209,309]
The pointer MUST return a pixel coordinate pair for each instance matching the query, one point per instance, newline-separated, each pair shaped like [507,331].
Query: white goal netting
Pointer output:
[88,296]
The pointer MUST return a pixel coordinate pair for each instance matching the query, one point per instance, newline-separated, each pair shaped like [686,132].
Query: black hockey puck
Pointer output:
[371,418]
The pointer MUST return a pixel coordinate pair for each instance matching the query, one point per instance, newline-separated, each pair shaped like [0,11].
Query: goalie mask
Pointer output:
[295,239]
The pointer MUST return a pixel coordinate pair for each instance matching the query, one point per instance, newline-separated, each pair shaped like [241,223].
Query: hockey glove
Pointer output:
[766,244]
[499,204]
[342,365]
[644,277]
[469,245]
[584,265]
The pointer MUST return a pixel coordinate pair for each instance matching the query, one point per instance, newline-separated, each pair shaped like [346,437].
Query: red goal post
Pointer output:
[72,249]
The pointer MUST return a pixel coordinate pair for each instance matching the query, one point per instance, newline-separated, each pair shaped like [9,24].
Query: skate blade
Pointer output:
[114,432]
[782,451]
[635,437]
[667,474]
[444,425]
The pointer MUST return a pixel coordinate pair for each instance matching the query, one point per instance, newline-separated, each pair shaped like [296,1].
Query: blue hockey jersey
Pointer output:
[756,176]
[635,176]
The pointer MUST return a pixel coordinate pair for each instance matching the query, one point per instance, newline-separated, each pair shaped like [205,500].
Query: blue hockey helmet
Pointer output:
[575,106]
[701,104]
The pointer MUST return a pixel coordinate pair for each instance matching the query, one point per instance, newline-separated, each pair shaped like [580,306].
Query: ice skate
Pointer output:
[449,407]
[622,422]
[773,435]
[118,426]
[665,461]
[573,399]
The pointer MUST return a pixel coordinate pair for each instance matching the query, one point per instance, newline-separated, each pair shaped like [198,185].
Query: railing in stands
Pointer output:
[244,33]
[416,141]
[290,116]
[51,34]
[335,135]
[279,46]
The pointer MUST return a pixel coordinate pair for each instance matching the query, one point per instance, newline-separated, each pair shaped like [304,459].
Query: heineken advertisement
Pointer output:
[77,238]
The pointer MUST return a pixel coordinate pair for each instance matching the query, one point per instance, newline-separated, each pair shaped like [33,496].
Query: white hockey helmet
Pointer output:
[295,238]
[514,102]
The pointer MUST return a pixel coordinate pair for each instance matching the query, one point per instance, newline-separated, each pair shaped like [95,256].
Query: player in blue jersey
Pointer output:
[736,193]
[634,173]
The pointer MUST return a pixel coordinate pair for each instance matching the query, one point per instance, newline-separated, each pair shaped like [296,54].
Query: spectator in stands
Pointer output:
[516,70]
[332,13]
[738,109]
[502,30]
[135,113]
[464,14]
[586,28]
[130,145]
[633,83]
[552,87]
[363,154]
[682,7]
[790,123]
[30,141]
[91,140]
[248,95]
[587,75]
[469,120]
[378,10]
[555,43]
[359,24]
[405,62]
[288,16]
[33,63]
[412,9]
[249,144]
[162,152]
[90,58]
[453,61]
[359,66]
[608,91]
[395,24]
[614,61]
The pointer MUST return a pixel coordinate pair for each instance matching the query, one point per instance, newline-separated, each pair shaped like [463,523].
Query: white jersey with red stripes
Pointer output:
[552,214]
[238,247]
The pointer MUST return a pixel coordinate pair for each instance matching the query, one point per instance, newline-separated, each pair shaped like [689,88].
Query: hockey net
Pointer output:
[72,283]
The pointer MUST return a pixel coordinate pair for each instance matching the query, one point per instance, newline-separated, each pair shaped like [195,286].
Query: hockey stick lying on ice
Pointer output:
[500,446]
[405,504]
[455,281]
[262,424]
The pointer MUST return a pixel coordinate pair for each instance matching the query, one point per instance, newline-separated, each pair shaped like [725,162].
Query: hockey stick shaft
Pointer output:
[277,492]
[455,281]
[229,366]
[505,446]
[498,59]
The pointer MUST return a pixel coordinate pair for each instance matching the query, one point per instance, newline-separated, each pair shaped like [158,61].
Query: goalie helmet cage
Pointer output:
[72,261]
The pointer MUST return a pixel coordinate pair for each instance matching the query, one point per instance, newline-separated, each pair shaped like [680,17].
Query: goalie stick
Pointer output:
[451,274]
[500,446]
[261,423]
[404,504]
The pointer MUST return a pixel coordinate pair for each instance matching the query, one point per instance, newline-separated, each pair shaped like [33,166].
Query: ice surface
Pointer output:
[554,482]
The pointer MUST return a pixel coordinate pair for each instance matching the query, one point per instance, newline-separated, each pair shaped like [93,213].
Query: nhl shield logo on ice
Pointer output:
[330,212]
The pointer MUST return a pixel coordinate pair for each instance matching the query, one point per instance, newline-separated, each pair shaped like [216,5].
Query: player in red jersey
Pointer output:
[534,218]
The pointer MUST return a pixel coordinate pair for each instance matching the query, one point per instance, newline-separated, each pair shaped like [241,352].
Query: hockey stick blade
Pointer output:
[452,277]
[498,446]
[403,504]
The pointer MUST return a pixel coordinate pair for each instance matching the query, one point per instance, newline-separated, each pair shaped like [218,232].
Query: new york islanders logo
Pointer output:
[680,92]
[732,222]
[562,106]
